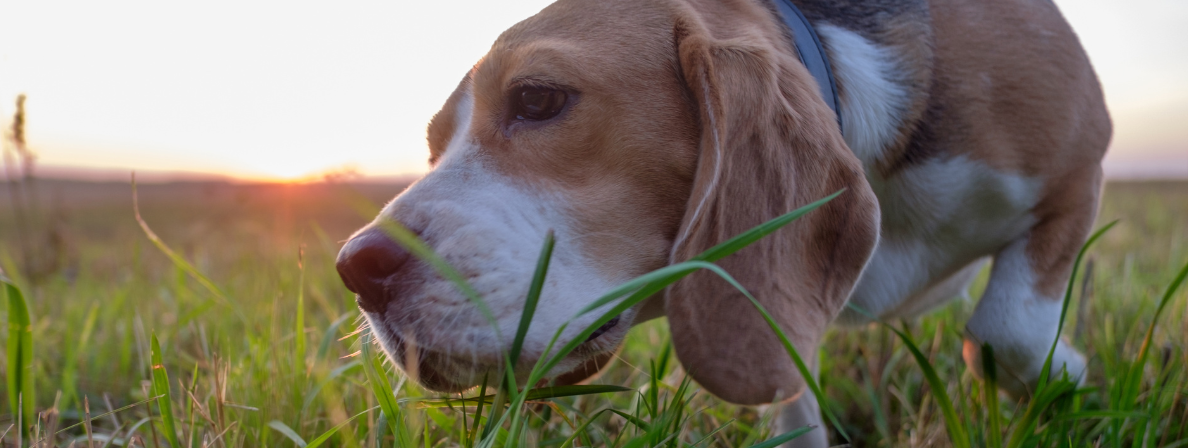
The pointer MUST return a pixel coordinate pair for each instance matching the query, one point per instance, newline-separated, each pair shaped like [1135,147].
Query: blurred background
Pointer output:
[291,91]
[261,117]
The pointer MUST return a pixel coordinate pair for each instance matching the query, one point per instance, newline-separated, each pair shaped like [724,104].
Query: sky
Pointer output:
[281,91]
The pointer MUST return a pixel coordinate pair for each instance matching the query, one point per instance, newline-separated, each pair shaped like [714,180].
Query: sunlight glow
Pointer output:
[288,90]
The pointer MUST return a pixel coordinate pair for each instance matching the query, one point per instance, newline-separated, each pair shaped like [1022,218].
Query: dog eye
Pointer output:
[538,103]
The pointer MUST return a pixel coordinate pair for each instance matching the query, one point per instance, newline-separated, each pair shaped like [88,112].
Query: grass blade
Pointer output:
[111,438]
[333,374]
[655,281]
[414,245]
[106,414]
[69,375]
[327,434]
[652,394]
[531,300]
[954,425]
[661,278]
[748,237]
[664,356]
[534,394]
[1044,377]
[175,258]
[425,434]
[1099,414]
[783,438]
[331,333]
[474,434]
[287,432]
[377,378]
[641,288]
[1134,380]
[1040,402]
[301,345]
[641,424]
[20,357]
[572,391]
[496,417]
[714,432]
[813,386]
[583,427]
[648,284]
[508,384]
[161,386]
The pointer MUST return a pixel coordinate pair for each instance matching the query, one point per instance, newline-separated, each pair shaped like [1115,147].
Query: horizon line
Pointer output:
[1148,170]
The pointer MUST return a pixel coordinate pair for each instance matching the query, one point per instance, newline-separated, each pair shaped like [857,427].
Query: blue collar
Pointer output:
[812,54]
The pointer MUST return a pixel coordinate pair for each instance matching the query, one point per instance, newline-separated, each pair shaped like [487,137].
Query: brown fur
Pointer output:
[1012,88]
[781,149]
[634,152]
[632,188]
[629,187]
[441,126]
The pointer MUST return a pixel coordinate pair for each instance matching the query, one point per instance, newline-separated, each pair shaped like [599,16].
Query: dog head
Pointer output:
[641,133]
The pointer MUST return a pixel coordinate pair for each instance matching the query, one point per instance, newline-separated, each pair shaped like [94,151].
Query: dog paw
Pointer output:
[1018,369]
[1074,362]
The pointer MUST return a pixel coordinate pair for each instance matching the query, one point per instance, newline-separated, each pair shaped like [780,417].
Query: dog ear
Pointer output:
[769,145]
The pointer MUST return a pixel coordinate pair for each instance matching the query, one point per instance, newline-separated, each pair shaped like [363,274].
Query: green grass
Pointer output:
[259,351]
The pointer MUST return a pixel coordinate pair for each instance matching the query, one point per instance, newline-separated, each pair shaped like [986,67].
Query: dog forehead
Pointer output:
[599,45]
[630,129]
[613,21]
[615,34]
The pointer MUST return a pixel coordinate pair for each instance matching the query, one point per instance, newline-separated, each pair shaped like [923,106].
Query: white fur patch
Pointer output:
[872,95]
[953,287]
[801,412]
[491,228]
[1019,323]
[937,218]
[460,142]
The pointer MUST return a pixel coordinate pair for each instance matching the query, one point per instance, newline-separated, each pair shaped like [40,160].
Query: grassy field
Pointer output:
[270,356]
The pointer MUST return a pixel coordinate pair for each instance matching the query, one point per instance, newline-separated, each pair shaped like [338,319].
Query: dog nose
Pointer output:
[366,263]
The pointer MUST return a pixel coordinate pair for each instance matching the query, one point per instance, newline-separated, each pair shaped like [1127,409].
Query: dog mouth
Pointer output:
[448,373]
[612,323]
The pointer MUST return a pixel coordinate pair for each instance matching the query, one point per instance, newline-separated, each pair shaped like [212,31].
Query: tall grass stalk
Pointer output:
[162,388]
[21,398]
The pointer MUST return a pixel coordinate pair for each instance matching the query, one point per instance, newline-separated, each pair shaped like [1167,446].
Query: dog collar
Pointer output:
[812,54]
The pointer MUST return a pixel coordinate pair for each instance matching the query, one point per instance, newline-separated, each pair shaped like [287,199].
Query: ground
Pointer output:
[97,289]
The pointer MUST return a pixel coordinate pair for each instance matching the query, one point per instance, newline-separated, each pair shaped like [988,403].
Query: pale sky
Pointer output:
[282,90]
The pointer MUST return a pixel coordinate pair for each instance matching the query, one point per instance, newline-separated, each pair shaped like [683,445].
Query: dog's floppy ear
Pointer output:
[769,145]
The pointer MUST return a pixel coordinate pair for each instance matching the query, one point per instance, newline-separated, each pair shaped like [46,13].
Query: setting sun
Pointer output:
[280,91]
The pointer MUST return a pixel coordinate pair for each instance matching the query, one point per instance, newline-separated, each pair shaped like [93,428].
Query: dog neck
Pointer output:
[812,54]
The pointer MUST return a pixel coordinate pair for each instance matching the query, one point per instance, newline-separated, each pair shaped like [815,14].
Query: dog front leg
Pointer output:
[1019,321]
[803,411]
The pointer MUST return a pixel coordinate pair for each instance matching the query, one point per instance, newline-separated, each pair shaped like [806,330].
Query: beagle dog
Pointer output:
[644,132]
